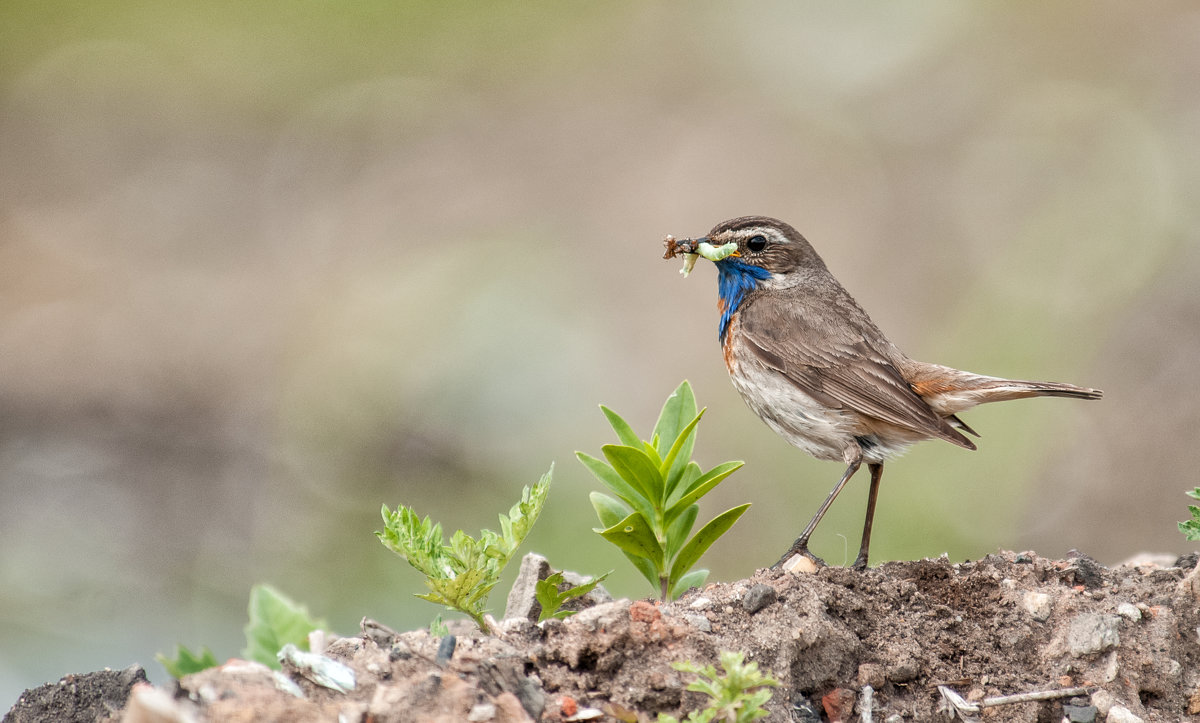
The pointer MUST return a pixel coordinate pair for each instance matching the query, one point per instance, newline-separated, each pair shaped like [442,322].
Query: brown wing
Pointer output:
[845,369]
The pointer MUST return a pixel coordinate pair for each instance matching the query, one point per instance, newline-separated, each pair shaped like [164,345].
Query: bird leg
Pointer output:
[800,546]
[860,562]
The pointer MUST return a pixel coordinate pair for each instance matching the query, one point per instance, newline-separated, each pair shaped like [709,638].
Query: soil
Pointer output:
[894,643]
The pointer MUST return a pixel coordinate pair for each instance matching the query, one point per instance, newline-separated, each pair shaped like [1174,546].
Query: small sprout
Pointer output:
[1191,528]
[736,696]
[656,486]
[275,622]
[460,574]
[551,600]
[186,662]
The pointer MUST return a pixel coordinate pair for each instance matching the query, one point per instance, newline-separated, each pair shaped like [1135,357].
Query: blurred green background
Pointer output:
[266,266]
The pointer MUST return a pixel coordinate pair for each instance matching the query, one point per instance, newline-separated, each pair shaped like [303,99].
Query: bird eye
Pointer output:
[756,243]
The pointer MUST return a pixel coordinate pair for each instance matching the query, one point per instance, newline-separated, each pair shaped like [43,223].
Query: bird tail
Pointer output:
[950,391]
[1001,390]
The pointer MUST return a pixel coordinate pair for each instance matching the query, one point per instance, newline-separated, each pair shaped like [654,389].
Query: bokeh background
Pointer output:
[267,266]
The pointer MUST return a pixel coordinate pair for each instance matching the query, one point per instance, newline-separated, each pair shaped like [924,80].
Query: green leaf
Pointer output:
[275,620]
[624,490]
[624,432]
[695,547]
[438,628]
[522,516]
[695,578]
[461,574]
[638,470]
[652,454]
[677,411]
[634,535]
[609,510]
[673,465]
[1195,493]
[680,528]
[552,599]
[186,662]
[705,484]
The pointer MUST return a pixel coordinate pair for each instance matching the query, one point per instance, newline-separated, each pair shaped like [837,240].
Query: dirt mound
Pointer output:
[904,641]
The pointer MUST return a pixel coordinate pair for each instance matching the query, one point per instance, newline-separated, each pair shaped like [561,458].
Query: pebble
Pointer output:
[1130,611]
[1121,714]
[800,564]
[482,712]
[699,622]
[839,704]
[1091,633]
[1080,713]
[1039,605]
[1104,701]
[758,597]
[700,603]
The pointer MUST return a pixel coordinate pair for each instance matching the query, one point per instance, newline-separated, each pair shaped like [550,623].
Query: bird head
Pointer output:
[750,252]
[764,243]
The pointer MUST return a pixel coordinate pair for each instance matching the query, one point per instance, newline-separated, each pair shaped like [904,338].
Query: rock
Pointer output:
[482,712]
[1039,605]
[77,697]
[839,705]
[800,565]
[758,597]
[1121,714]
[1088,572]
[698,621]
[1129,611]
[148,704]
[904,670]
[1079,713]
[1190,585]
[1104,701]
[1090,633]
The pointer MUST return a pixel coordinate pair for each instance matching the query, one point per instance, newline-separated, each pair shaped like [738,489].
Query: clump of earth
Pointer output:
[1010,637]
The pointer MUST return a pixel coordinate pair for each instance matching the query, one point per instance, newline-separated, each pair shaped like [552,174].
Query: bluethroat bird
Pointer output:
[812,365]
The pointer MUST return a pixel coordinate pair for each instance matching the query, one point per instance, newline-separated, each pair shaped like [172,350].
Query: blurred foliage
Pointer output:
[275,621]
[264,265]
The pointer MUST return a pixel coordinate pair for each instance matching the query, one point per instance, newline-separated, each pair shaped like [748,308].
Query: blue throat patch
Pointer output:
[734,279]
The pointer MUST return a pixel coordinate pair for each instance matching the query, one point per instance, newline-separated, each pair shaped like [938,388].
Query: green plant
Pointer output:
[186,662]
[275,621]
[552,599]
[460,575]
[1191,528]
[657,487]
[737,696]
